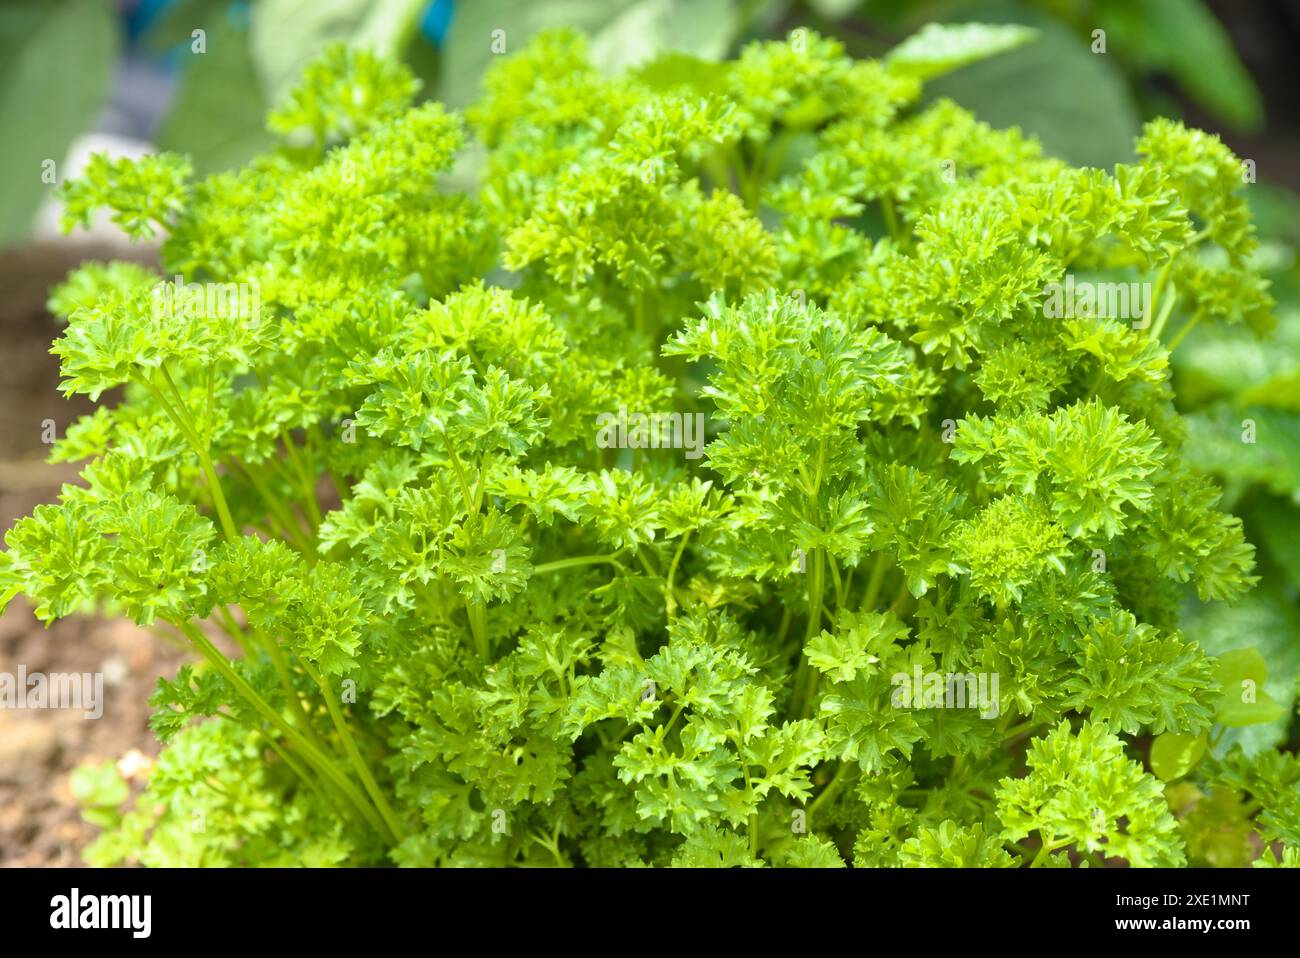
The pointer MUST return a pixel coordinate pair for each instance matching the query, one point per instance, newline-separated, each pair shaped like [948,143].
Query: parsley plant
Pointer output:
[917,604]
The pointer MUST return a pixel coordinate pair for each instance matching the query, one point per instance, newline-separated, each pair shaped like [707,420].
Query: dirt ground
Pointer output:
[40,823]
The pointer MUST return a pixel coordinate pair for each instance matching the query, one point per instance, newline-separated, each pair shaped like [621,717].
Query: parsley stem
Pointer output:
[317,438]
[303,773]
[460,473]
[827,793]
[890,217]
[677,713]
[207,410]
[1182,333]
[786,618]
[205,463]
[1018,730]
[670,600]
[281,665]
[570,563]
[205,460]
[232,629]
[322,761]
[646,564]
[304,477]
[835,578]
[1165,309]
[1156,295]
[287,526]
[1046,850]
[354,753]
[476,612]
[752,829]
[878,569]
[805,682]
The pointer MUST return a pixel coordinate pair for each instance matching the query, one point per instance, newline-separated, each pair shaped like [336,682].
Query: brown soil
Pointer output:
[40,823]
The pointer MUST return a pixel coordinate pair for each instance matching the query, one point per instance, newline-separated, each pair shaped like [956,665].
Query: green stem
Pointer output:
[575,561]
[309,751]
[831,789]
[836,581]
[234,631]
[476,611]
[805,677]
[670,600]
[205,459]
[318,439]
[878,570]
[1046,850]
[330,798]
[281,666]
[645,564]
[786,618]
[354,754]
[753,816]
[1017,730]
[1182,333]
[289,529]
[890,217]
[460,473]
[182,423]
[677,712]
[1158,292]
[304,480]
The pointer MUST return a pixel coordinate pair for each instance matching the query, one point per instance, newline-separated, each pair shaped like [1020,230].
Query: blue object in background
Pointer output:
[147,78]
[436,20]
[143,14]
[140,16]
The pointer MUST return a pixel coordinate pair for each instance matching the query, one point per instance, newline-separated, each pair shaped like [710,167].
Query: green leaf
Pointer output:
[288,34]
[42,109]
[1082,790]
[861,643]
[1074,101]
[1173,754]
[812,852]
[939,48]
[1243,673]
[218,112]
[1185,38]
[623,33]
[101,790]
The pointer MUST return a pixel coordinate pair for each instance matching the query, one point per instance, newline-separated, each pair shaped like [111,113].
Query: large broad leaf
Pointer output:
[939,48]
[1173,754]
[1220,361]
[1075,101]
[218,116]
[1243,674]
[288,33]
[624,33]
[1277,523]
[834,9]
[1256,638]
[1183,37]
[56,59]
[1246,444]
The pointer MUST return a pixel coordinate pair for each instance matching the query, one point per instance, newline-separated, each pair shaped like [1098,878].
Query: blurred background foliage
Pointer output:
[198,76]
